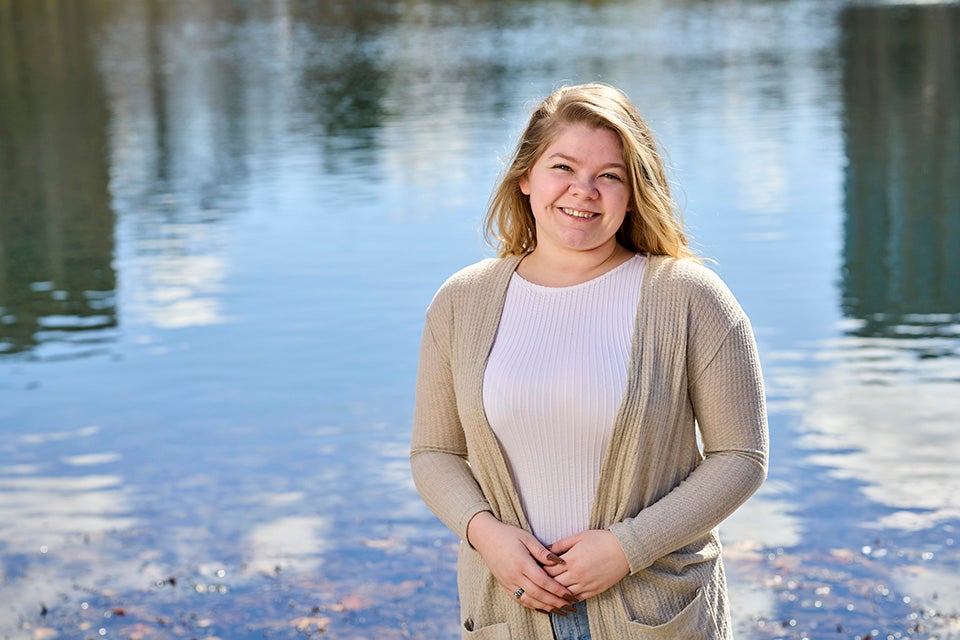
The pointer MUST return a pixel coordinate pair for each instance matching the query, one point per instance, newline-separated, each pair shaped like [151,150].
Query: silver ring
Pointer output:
[518,593]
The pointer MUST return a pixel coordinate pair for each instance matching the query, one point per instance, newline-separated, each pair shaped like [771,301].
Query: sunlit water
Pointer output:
[220,226]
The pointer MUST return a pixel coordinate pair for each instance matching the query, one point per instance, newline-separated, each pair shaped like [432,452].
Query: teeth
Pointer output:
[577,213]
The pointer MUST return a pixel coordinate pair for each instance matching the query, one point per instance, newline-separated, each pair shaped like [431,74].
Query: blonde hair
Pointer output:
[653,223]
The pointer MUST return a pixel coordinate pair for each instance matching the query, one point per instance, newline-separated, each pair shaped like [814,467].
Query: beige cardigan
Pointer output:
[693,362]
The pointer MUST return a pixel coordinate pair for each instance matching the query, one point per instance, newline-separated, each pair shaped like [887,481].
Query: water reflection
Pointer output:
[880,403]
[901,270]
[56,223]
[49,500]
[293,542]
[891,398]
[884,418]
[60,497]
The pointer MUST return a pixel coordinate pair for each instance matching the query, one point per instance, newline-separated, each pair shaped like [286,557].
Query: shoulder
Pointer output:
[485,276]
[479,274]
[475,283]
[697,287]
[682,273]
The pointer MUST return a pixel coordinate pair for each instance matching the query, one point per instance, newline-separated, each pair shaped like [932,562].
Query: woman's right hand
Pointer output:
[516,559]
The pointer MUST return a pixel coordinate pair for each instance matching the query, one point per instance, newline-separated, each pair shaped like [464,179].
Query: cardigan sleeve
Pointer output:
[725,388]
[438,452]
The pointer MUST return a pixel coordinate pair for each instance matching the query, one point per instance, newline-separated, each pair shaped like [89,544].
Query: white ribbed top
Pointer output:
[553,385]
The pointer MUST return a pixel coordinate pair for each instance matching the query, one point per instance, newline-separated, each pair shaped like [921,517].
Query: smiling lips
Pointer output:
[578,213]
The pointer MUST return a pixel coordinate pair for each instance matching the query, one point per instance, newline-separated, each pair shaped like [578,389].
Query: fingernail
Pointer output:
[559,613]
[570,609]
[552,557]
[571,599]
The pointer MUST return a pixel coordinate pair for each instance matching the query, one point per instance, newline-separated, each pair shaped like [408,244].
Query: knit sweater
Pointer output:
[693,363]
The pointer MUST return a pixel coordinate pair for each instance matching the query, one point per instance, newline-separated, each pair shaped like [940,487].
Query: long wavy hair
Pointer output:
[653,223]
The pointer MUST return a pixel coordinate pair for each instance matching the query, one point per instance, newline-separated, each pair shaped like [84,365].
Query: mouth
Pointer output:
[579,213]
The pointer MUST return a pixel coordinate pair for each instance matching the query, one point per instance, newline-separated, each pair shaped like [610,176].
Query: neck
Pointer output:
[567,268]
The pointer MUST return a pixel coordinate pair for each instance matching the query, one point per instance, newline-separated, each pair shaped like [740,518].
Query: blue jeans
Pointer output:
[573,626]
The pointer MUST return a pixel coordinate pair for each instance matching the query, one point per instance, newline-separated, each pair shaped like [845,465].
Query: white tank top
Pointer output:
[553,386]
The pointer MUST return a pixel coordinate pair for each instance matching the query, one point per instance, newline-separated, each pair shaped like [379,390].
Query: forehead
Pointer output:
[586,143]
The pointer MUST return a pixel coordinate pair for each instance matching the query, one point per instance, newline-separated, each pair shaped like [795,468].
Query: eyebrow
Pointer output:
[563,156]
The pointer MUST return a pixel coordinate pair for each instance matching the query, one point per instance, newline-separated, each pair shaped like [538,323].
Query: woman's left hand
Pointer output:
[593,562]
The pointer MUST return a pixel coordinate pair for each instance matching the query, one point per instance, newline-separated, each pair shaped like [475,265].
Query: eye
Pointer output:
[612,176]
[562,167]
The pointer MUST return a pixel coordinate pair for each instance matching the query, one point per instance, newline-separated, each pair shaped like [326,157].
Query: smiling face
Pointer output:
[579,191]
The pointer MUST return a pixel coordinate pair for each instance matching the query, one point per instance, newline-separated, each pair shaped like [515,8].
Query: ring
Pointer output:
[518,593]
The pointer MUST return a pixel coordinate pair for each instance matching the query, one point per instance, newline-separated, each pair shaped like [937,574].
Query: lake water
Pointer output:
[221,223]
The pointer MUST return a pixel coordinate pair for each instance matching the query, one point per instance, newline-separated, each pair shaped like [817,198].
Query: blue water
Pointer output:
[220,227]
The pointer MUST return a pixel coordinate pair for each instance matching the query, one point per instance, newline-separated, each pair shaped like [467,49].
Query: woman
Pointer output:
[560,391]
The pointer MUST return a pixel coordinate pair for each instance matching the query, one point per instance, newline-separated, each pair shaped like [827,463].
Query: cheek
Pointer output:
[618,198]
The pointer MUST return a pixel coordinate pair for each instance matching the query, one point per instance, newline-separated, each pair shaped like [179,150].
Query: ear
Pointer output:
[524,183]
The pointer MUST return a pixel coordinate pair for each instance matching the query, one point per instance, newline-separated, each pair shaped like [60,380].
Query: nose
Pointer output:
[584,188]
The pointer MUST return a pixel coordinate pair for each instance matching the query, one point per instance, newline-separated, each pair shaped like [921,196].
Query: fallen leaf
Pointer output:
[138,631]
[385,543]
[304,623]
[351,603]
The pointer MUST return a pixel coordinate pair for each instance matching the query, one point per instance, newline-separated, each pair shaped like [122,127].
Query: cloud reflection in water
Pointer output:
[887,417]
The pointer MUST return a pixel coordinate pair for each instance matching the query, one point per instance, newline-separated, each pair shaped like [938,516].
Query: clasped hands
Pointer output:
[572,569]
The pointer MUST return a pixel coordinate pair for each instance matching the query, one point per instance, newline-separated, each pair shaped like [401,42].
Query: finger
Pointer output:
[564,610]
[574,582]
[547,590]
[535,597]
[555,570]
[586,592]
[541,591]
[540,553]
[583,587]
[528,601]
[563,545]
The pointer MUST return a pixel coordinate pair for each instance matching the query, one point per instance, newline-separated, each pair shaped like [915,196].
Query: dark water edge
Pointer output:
[844,593]
[220,224]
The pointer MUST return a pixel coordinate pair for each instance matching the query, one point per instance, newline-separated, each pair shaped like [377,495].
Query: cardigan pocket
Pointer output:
[500,631]
[480,599]
[694,622]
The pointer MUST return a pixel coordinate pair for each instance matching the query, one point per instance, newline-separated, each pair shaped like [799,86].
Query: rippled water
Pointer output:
[220,225]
